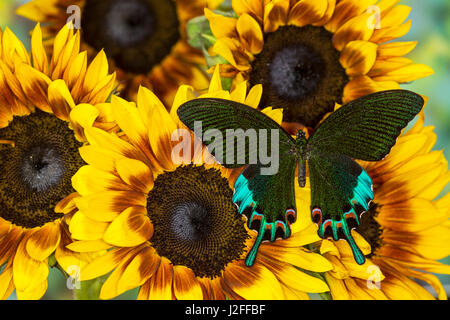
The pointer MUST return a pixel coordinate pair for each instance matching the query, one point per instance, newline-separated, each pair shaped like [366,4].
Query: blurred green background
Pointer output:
[430,27]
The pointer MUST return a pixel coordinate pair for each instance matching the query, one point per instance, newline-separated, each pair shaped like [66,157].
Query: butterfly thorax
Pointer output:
[301,143]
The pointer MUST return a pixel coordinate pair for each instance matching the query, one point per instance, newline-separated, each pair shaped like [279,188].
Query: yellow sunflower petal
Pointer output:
[221,48]
[83,228]
[306,12]
[381,67]
[161,128]
[337,287]
[43,242]
[250,33]
[135,173]
[274,114]
[68,53]
[104,264]
[38,10]
[275,15]
[40,60]
[6,282]
[113,144]
[130,121]
[110,288]
[358,57]
[88,246]
[254,96]
[33,294]
[328,14]
[35,85]
[406,74]
[354,29]
[345,10]
[28,272]
[255,283]
[185,285]
[97,70]
[409,217]
[13,48]
[387,34]
[395,49]
[215,83]
[299,280]
[253,7]
[142,267]
[356,292]
[184,93]
[131,228]
[106,206]
[100,159]
[395,16]
[89,180]
[74,74]
[239,93]
[364,85]
[161,282]
[221,26]
[83,116]
[60,99]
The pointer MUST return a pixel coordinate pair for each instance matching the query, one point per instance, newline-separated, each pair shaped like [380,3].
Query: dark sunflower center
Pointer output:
[196,223]
[42,167]
[370,229]
[300,72]
[137,34]
[35,173]
[191,221]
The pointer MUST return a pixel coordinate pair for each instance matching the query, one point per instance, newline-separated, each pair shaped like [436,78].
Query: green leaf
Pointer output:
[197,28]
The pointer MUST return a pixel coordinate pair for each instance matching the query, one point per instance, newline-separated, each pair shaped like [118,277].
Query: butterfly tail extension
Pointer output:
[357,254]
[267,231]
[339,230]
[251,256]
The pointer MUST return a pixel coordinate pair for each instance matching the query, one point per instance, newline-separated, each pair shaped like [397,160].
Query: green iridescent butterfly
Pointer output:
[341,191]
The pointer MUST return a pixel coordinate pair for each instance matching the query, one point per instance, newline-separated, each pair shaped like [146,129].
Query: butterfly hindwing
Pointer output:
[340,192]
[268,202]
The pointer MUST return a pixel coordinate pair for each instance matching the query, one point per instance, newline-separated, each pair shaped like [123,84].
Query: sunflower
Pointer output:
[404,232]
[44,102]
[311,54]
[145,40]
[164,210]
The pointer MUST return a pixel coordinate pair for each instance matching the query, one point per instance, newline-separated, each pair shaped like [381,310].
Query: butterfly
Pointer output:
[341,191]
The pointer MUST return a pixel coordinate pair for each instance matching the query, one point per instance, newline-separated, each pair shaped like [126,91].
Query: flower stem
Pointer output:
[88,290]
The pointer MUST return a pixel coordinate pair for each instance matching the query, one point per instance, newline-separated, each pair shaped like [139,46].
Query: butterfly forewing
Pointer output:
[240,121]
[368,127]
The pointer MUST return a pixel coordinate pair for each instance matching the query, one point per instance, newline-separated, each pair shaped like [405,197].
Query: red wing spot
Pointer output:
[291,216]
[350,214]
[316,216]
[255,218]
[281,225]
[327,224]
